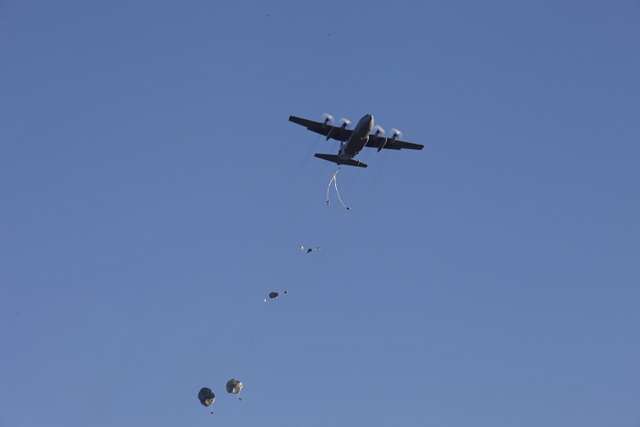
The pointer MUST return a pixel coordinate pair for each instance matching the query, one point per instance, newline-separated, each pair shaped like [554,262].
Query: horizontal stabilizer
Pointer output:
[337,160]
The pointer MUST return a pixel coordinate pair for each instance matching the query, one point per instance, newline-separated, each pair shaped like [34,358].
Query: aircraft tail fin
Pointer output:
[337,160]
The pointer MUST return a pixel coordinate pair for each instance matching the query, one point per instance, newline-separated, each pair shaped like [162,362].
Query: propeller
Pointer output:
[344,123]
[378,130]
[327,119]
[395,134]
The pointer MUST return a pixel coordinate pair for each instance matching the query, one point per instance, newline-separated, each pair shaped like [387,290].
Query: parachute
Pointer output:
[234,386]
[206,396]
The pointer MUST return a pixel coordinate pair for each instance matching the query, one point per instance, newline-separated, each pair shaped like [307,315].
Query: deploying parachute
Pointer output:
[206,396]
[334,181]
[234,386]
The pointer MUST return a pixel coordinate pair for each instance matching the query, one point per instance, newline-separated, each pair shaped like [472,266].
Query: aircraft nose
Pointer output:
[370,120]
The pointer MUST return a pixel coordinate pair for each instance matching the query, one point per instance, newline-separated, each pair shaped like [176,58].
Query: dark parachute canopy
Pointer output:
[206,396]
[234,386]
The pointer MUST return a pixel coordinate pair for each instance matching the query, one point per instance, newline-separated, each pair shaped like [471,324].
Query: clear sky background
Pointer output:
[152,191]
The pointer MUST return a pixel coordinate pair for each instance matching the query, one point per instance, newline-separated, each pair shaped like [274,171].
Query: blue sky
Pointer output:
[152,191]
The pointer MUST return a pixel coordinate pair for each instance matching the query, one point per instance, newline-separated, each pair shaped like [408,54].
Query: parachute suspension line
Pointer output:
[335,184]
[333,178]
[334,181]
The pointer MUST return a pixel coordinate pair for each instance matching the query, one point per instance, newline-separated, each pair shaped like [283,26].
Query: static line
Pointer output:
[334,181]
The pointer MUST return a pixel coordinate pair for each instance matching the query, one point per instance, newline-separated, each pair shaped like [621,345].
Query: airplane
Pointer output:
[365,134]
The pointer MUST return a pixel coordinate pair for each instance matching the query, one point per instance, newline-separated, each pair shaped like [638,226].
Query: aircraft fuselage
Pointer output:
[359,138]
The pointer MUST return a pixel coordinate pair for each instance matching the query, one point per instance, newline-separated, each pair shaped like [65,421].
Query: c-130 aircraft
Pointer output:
[365,134]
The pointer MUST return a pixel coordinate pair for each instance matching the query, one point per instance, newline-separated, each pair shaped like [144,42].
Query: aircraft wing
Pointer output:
[327,130]
[389,144]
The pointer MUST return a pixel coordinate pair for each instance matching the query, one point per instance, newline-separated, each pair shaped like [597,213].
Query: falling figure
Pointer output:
[273,295]
[308,250]
[334,181]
